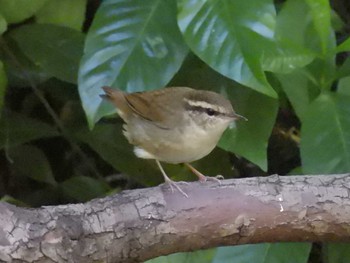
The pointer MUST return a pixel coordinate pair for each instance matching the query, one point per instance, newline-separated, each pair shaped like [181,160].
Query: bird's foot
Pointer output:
[220,177]
[216,179]
[202,178]
[173,185]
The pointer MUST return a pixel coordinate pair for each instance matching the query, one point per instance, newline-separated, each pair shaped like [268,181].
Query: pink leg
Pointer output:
[202,177]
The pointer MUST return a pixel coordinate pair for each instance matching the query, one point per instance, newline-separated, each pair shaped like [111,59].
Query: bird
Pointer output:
[173,125]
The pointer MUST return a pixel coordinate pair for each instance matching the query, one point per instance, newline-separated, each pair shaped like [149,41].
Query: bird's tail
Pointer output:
[110,93]
[117,97]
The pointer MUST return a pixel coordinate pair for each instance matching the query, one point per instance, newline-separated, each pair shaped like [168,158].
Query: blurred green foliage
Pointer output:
[283,64]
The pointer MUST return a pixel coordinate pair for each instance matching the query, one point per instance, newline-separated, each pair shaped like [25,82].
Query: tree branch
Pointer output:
[137,225]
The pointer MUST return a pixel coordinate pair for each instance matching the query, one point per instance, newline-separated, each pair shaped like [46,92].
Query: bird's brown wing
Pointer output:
[153,106]
[161,107]
[146,105]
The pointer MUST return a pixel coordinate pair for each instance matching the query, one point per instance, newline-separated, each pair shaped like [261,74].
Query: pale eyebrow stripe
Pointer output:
[204,105]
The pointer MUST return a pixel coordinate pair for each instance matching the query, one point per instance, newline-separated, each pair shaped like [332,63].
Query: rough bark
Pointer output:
[137,225]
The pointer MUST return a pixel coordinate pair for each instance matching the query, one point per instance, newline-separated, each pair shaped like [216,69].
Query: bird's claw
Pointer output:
[220,177]
[173,184]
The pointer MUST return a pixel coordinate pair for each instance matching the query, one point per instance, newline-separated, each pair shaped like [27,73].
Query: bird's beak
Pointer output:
[236,116]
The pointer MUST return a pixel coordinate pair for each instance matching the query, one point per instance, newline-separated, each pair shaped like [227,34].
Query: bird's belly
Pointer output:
[189,148]
[177,144]
[173,146]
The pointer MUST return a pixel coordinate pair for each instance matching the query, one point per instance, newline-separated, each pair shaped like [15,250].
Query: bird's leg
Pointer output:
[170,182]
[202,177]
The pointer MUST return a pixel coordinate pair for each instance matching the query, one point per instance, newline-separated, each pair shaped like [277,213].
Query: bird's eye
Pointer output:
[210,111]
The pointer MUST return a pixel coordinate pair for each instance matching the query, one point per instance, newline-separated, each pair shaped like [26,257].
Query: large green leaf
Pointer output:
[296,86]
[345,46]
[260,253]
[133,45]
[56,49]
[21,69]
[30,161]
[321,16]
[325,133]
[11,200]
[296,40]
[16,11]
[344,69]
[60,12]
[344,86]
[306,34]
[264,253]
[323,71]
[203,256]
[295,26]
[3,84]
[250,138]
[231,36]
[285,58]
[16,129]
[336,253]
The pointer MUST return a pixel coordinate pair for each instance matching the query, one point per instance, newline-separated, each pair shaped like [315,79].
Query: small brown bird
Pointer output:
[173,125]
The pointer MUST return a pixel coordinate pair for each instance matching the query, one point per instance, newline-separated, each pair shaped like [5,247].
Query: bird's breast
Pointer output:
[179,144]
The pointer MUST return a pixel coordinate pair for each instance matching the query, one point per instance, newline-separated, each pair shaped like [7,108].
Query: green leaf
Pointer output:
[344,86]
[30,161]
[11,200]
[21,69]
[3,24]
[305,33]
[292,49]
[247,140]
[16,129]
[203,256]
[323,72]
[60,12]
[83,188]
[238,35]
[285,59]
[325,133]
[264,253]
[133,45]
[3,84]
[109,142]
[56,49]
[337,22]
[299,32]
[321,15]
[260,253]
[343,70]
[345,46]
[336,253]
[299,41]
[16,11]
[296,87]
